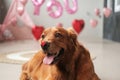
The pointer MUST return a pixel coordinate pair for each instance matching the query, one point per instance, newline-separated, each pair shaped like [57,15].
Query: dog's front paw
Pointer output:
[24,77]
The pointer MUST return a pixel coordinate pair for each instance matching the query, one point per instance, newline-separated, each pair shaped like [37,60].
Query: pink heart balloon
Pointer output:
[20,10]
[93,22]
[59,25]
[97,11]
[107,12]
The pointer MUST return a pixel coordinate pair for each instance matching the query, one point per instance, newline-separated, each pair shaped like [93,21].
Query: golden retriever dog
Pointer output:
[61,57]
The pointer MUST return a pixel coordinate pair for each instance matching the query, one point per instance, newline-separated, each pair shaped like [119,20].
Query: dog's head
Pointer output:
[57,43]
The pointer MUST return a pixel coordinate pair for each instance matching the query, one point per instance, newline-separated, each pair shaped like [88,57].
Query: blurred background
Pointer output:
[20,30]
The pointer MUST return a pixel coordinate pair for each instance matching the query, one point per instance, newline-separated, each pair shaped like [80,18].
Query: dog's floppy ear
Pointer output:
[72,35]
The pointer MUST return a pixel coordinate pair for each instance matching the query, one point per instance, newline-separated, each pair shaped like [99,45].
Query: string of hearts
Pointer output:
[106,11]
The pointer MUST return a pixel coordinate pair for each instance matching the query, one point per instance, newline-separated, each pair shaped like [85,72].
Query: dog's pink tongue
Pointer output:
[48,60]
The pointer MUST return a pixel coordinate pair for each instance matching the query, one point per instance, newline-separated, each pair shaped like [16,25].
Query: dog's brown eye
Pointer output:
[58,35]
[43,36]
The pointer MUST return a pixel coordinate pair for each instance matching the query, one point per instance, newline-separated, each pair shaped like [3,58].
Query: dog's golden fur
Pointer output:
[74,64]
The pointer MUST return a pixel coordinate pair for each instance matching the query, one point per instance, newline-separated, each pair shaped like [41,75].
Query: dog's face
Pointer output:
[56,42]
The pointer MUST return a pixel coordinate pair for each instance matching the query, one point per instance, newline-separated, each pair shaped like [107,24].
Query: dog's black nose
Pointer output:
[45,45]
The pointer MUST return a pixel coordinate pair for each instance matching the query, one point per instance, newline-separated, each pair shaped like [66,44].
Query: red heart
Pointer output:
[78,25]
[37,31]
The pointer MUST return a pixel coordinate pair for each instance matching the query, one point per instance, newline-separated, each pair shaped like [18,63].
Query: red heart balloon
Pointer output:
[78,25]
[37,31]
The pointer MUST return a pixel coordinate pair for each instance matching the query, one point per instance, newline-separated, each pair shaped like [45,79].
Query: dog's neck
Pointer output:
[67,68]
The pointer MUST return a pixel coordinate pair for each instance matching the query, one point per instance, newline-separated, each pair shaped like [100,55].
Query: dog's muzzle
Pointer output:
[45,45]
[50,58]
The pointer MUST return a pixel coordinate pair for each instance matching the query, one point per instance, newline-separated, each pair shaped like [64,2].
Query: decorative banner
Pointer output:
[93,22]
[54,3]
[37,31]
[52,13]
[37,5]
[73,9]
[107,12]
[78,25]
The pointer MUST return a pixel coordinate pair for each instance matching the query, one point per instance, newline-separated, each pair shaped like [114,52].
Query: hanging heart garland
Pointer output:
[78,25]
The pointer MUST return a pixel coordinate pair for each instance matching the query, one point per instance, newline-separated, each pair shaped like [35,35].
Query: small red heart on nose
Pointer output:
[37,31]
[43,43]
[78,25]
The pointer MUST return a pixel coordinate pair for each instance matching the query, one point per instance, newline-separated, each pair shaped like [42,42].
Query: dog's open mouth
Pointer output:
[51,58]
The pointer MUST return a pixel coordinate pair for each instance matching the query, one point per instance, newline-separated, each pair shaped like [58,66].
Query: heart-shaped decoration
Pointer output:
[78,25]
[93,22]
[37,31]
[107,12]
[97,12]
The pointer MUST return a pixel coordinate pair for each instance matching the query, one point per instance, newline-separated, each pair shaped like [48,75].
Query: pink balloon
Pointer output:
[52,13]
[23,2]
[107,12]
[59,25]
[71,10]
[97,11]
[93,22]
[20,10]
[37,5]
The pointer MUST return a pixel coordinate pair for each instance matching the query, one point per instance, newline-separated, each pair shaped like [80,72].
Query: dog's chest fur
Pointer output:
[49,72]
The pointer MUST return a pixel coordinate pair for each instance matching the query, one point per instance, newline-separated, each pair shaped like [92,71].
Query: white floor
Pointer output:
[107,62]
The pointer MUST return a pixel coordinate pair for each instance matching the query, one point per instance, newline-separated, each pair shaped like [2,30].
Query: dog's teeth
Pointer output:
[57,53]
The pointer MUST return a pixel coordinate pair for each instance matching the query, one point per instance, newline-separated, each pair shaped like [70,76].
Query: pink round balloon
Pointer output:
[107,12]
[20,10]
[71,10]
[97,11]
[93,22]
[37,5]
[52,13]
[23,2]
